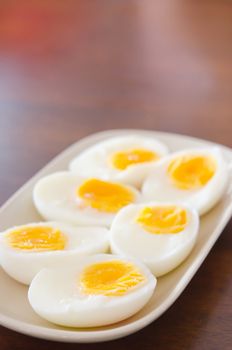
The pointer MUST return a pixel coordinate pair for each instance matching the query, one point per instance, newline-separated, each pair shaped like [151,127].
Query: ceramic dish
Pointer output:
[15,311]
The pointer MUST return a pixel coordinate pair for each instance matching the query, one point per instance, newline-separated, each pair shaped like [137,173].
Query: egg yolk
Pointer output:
[123,159]
[163,220]
[110,278]
[105,196]
[191,172]
[37,238]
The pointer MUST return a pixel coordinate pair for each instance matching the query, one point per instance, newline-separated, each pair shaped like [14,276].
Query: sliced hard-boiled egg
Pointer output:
[197,177]
[161,235]
[26,249]
[99,290]
[67,197]
[126,159]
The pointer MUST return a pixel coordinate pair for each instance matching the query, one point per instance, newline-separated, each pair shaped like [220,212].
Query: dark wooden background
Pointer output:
[70,68]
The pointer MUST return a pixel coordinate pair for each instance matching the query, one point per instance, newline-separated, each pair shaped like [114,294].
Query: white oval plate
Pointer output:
[15,311]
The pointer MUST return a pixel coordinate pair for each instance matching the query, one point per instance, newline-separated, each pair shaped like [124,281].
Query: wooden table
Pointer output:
[71,68]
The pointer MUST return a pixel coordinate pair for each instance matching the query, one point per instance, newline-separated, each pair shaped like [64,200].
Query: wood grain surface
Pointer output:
[71,68]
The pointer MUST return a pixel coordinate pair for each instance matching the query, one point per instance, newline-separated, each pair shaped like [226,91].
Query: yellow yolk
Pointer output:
[37,238]
[122,160]
[163,220]
[105,196]
[110,278]
[191,172]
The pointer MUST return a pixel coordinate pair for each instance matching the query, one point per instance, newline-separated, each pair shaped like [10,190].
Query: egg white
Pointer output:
[23,265]
[55,295]
[55,199]
[157,186]
[95,161]
[160,252]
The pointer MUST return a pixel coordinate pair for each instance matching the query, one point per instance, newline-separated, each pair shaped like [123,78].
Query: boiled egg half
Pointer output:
[99,290]
[160,235]
[26,249]
[126,159]
[197,177]
[66,197]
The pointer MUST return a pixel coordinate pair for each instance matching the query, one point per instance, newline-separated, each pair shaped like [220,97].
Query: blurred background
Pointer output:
[71,68]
